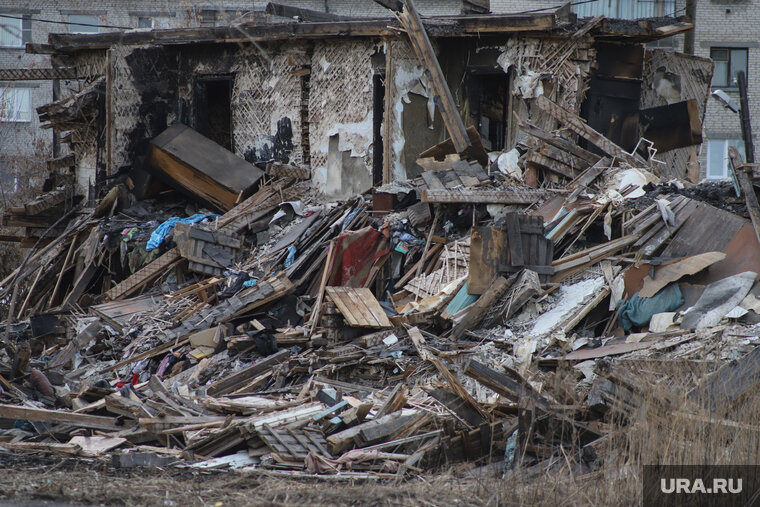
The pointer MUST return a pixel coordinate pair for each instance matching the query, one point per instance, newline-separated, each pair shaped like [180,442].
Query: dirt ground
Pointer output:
[28,479]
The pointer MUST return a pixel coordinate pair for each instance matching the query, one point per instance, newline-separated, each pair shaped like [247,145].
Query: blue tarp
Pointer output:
[163,230]
[638,311]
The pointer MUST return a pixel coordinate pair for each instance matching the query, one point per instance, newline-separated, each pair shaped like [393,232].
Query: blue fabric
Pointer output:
[163,230]
[291,256]
[638,311]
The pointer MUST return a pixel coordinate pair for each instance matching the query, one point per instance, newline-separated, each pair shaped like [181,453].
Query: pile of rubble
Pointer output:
[497,309]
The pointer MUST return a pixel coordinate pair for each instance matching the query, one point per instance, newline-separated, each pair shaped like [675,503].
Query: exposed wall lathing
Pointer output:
[340,103]
[266,102]
[695,76]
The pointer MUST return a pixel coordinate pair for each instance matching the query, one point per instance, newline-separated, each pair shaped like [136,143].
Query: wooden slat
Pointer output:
[359,307]
[145,275]
[487,196]
[577,125]
[58,416]
[411,21]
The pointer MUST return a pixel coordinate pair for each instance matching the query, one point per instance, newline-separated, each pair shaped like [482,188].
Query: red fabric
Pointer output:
[355,254]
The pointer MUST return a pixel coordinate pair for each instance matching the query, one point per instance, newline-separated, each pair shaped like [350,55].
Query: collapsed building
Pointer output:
[366,234]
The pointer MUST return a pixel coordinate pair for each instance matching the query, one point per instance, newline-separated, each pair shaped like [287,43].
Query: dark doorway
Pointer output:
[213,109]
[489,102]
[378,108]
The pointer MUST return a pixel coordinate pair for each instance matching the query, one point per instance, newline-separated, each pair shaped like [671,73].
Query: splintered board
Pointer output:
[359,307]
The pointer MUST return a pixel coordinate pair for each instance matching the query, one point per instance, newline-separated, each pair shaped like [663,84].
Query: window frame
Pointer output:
[729,84]
[204,22]
[4,91]
[724,143]
[89,29]
[24,28]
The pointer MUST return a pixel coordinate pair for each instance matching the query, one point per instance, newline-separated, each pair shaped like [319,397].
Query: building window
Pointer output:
[83,23]
[717,157]
[157,22]
[625,9]
[15,104]
[15,31]
[208,17]
[728,62]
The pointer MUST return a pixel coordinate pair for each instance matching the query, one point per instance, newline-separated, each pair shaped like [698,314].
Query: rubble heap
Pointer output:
[502,308]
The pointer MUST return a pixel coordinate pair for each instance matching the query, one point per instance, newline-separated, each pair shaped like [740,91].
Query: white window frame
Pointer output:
[92,19]
[724,143]
[12,27]
[15,101]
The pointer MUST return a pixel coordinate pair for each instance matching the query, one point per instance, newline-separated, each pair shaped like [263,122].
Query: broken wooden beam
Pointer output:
[280,170]
[237,379]
[580,127]
[58,416]
[506,386]
[139,279]
[411,21]
[486,196]
[481,307]
[748,189]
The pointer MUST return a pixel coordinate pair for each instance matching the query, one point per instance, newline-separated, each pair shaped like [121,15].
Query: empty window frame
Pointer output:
[717,157]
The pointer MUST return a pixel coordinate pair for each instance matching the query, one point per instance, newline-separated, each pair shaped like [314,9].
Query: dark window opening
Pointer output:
[208,18]
[26,28]
[213,109]
[489,101]
[378,110]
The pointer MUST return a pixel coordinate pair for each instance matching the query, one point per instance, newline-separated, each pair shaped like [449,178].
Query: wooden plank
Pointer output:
[668,273]
[557,141]
[515,240]
[432,181]
[540,160]
[137,280]
[48,200]
[37,74]
[516,195]
[607,350]
[480,308]
[231,382]
[411,21]
[577,125]
[358,306]
[504,385]
[750,197]
[58,416]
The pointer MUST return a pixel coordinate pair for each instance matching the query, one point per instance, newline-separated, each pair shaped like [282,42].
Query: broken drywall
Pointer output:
[340,107]
[408,79]
[537,61]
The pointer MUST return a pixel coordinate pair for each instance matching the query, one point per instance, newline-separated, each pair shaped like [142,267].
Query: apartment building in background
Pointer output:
[725,31]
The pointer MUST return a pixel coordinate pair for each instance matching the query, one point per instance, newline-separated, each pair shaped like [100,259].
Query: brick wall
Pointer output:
[729,24]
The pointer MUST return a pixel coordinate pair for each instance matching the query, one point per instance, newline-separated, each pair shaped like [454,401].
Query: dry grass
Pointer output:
[656,434]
